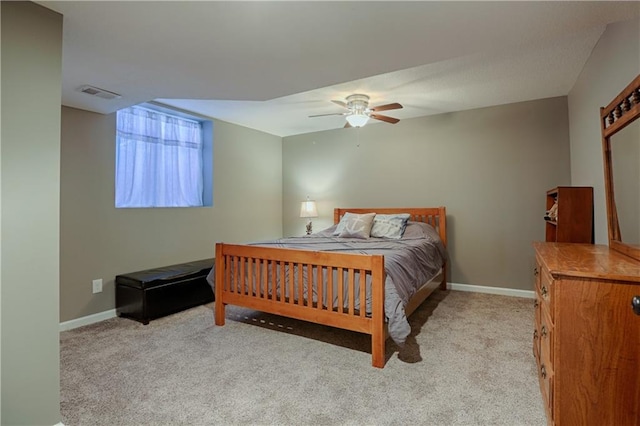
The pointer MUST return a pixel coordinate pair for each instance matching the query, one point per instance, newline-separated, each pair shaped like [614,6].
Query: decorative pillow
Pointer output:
[356,225]
[389,225]
[420,230]
[340,226]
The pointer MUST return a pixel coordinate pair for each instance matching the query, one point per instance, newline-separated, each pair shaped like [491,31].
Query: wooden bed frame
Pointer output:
[260,264]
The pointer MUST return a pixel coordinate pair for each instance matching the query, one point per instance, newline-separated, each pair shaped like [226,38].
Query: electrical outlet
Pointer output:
[97,286]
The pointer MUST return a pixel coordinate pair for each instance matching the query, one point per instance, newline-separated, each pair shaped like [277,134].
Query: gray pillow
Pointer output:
[343,220]
[389,225]
[420,230]
[356,225]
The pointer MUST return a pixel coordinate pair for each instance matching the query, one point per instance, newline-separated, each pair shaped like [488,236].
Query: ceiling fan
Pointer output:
[358,113]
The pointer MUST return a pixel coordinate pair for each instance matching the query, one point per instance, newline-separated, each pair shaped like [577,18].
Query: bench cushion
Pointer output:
[167,274]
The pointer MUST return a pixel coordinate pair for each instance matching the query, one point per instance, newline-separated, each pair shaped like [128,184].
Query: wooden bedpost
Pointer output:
[219,286]
[377,312]
[336,216]
[442,229]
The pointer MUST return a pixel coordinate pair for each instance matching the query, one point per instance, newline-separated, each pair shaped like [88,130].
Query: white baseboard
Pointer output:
[101,316]
[89,319]
[529,294]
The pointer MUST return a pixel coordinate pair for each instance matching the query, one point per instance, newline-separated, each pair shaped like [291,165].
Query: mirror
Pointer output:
[621,151]
[625,171]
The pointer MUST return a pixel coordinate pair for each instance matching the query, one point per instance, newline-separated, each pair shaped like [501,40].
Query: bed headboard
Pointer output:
[434,216]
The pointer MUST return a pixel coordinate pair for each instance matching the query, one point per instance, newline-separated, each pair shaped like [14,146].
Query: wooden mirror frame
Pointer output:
[620,112]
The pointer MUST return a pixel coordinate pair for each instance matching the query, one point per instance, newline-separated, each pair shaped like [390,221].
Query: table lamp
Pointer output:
[308,209]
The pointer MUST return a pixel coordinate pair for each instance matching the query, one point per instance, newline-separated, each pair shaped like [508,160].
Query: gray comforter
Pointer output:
[409,262]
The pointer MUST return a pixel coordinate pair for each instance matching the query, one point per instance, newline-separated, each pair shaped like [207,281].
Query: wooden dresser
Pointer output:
[587,337]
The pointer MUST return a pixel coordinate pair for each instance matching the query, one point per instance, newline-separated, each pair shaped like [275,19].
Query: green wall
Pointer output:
[30,206]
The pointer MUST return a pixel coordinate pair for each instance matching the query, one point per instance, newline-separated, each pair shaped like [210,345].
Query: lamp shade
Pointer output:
[357,120]
[308,209]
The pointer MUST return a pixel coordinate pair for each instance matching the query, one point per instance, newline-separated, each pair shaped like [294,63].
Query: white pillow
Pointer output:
[389,225]
[355,225]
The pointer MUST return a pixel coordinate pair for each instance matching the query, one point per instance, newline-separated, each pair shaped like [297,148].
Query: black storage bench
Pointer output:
[154,293]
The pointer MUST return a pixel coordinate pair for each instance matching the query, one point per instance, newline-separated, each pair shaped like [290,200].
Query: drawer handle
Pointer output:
[635,303]
[544,291]
[535,271]
[535,334]
[543,331]
[543,372]
[536,303]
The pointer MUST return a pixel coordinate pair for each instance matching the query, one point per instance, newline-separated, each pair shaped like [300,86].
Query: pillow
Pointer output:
[389,225]
[420,230]
[356,225]
[340,226]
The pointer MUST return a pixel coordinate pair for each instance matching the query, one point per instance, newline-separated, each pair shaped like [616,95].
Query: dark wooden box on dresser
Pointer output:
[587,337]
[573,220]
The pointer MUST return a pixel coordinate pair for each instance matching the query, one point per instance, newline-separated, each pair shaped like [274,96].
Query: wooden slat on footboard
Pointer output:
[264,279]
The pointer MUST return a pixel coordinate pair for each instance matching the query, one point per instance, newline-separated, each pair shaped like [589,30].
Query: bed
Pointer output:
[323,277]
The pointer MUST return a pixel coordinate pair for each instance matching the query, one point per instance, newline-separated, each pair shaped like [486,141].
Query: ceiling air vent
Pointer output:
[101,93]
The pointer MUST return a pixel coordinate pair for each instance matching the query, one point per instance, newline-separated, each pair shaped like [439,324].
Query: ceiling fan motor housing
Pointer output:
[358,104]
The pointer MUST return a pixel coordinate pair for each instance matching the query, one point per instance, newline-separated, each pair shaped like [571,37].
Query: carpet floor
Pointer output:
[468,361]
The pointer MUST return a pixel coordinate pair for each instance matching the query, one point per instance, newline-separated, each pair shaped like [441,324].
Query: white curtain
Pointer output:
[158,160]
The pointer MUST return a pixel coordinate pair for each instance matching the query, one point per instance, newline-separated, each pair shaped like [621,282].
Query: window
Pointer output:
[159,159]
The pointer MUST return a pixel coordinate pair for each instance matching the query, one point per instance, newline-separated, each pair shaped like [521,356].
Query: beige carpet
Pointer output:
[468,362]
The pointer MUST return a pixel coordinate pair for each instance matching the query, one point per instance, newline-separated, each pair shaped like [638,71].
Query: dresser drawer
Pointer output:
[546,333]
[546,378]
[536,277]
[546,292]
[537,307]
[536,327]
[546,389]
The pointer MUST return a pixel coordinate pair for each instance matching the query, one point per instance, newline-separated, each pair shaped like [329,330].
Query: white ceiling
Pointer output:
[269,65]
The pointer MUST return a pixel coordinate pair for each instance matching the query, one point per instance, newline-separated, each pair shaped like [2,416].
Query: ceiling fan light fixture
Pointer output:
[357,120]
[359,112]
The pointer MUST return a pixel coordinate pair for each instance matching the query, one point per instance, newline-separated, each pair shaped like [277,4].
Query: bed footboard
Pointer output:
[320,287]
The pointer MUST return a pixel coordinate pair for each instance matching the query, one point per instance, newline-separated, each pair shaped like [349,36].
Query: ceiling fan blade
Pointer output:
[386,107]
[324,115]
[384,118]
[342,104]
